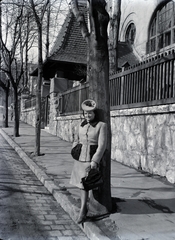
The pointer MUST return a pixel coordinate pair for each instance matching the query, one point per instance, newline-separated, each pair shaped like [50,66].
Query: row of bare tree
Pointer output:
[23,24]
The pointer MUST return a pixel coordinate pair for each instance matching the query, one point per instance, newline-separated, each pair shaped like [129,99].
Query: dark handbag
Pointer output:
[94,179]
[75,152]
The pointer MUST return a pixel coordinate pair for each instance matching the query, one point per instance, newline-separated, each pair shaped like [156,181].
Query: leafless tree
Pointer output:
[39,10]
[98,77]
[12,51]
[43,11]
[4,84]
[113,35]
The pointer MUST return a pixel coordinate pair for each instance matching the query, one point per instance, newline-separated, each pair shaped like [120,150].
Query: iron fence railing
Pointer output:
[149,83]
[29,103]
[152,82]
[70,101]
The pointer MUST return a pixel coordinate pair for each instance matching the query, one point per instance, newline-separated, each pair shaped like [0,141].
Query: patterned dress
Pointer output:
[89,134]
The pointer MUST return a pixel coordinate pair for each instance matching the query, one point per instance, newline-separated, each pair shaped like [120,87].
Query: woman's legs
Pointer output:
[83,209]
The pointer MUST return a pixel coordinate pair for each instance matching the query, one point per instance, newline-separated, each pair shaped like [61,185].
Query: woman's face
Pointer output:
[89,115]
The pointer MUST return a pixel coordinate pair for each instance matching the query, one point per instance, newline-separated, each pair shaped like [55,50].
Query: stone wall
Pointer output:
[54,112]
[144,138]
[66,127]
[28,116]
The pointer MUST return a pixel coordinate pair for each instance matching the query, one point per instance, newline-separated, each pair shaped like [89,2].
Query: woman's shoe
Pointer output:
[82,217]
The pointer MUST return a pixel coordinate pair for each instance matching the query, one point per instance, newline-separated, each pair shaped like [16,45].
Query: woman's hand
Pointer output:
[88,168]
[94,165]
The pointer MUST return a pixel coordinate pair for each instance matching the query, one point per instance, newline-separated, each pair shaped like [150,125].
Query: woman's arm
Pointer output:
[102,142]
[76,137]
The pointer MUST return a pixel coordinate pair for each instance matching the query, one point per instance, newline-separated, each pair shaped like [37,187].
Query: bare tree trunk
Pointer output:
[99,91]
[5,87]
[26,54]
[6,104]
[98,72]
[16,113]
[113,36]
[38,94]
[39,21]
[11,66]
[98,76]
[47,32]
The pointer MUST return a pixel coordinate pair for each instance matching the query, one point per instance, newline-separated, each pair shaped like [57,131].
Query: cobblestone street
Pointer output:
[28,210]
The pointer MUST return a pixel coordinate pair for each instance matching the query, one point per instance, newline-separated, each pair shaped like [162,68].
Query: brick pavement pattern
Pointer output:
[145,208]
[28,210]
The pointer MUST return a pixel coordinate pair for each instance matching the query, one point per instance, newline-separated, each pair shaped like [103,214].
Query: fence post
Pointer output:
[173,78]
[80,89]
[122,84]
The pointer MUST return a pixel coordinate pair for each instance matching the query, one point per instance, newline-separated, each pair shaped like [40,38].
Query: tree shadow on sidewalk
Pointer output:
[143,206]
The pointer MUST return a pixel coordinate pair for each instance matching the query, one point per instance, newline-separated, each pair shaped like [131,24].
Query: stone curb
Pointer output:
[62,196]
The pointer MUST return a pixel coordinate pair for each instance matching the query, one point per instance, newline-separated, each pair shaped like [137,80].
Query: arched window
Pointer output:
[130,33]
[162,28]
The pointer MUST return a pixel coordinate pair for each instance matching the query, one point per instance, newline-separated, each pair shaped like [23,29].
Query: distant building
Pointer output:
[148,26]
[3,78]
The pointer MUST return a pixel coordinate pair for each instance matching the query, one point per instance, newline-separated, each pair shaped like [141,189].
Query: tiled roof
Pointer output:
[70,45]
[70,48]
[125,54]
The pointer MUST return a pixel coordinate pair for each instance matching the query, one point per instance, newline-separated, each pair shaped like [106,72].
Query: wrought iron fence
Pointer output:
[70,101]
[29,103]
[149,83]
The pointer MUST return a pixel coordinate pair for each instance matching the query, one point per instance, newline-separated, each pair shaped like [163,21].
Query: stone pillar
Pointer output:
[23,116]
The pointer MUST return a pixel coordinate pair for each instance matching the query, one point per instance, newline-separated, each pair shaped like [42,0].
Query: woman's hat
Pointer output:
[89,105]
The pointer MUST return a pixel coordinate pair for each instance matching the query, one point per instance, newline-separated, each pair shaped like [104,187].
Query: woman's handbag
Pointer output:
[75,152]
[94,179]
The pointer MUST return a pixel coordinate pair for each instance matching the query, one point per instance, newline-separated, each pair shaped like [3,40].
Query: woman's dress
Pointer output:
[91,136]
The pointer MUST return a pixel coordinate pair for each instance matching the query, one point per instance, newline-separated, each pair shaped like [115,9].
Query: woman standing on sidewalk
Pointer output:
[92,134]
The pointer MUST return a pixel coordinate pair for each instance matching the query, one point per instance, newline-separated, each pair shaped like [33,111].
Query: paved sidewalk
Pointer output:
[145,203]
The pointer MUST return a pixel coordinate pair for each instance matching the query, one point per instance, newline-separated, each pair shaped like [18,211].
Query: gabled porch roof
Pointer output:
[69,53]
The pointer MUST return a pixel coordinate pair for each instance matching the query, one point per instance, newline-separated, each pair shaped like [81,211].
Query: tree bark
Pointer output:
[26,52]
[47,31]
[113,36]
[5,86]
[39,21]
[16,113]
[6,104]
[98,77]
[38,94]
[11,66]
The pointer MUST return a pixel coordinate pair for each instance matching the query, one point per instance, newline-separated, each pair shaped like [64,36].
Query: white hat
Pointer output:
[89,105]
